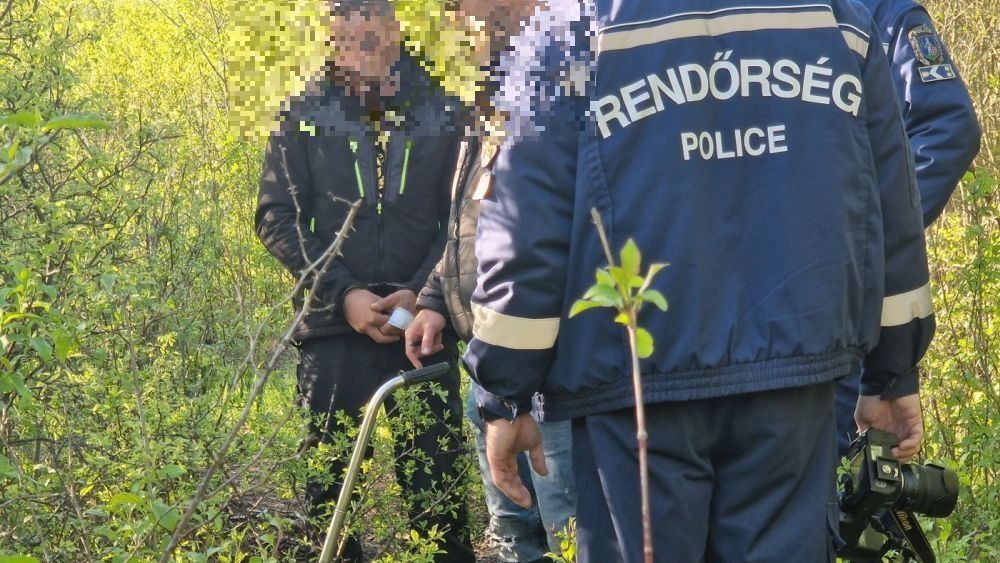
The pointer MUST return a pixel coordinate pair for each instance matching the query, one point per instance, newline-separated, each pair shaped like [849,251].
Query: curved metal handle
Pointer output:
[412,377]
[425,373]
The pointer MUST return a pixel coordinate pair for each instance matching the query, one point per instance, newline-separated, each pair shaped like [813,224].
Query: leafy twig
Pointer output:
[623,288]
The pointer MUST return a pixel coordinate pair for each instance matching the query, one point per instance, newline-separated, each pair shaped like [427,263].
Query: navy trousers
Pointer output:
[746,478]
[848,388]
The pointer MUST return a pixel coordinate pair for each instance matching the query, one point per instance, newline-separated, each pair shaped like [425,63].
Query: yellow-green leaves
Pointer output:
[631,259]
[643,343]
[24,133]
[626,289]
[623,287]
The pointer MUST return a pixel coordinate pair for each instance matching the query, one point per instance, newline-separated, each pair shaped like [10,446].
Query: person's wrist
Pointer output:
[350,289]
[492,408]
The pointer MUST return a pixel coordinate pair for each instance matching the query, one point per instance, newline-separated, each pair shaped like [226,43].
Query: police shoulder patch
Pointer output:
[927,47]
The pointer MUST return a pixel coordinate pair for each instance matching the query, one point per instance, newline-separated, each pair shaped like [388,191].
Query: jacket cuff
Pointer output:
[340,290]
[432,301]
[418,281]
[890,387]
[493,407]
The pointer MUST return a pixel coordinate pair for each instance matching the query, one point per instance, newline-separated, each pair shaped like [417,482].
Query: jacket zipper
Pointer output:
[406,164]
[378,213]
[357,169]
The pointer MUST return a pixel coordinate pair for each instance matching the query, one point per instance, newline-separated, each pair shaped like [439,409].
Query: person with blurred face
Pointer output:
[520,533]
[375,131]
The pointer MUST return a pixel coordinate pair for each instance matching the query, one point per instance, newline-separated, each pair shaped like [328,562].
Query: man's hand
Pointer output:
[363,318]
[423,338]
[901,417]
[504,441]
[404,298]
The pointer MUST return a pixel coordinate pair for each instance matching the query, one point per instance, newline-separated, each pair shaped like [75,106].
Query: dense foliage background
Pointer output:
[137,309]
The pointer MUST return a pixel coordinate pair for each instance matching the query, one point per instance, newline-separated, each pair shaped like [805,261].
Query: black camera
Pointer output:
[880,496]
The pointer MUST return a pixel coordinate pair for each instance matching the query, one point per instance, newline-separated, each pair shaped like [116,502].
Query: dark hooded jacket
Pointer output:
[322,158]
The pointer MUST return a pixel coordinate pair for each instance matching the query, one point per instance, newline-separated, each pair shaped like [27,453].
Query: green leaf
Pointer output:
[622,319]
[17,559]
[64,344]
[604,278]
[75,122]
[620,277]
[582,305]
[41,346]
[7,470]
[653,270]
[107,281]
[656,298]
[106,532]
[643,343]
[124,498]
[22,157]
[48,290]
[166,515]
[604,295]
[171,471]
[22,119]
[631,258]
[21,388]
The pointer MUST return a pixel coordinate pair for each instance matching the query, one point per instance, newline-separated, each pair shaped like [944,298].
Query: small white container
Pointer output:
[400,318]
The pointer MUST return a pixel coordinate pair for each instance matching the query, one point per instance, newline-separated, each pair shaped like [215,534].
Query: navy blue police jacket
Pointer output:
[755,147]
[937,111]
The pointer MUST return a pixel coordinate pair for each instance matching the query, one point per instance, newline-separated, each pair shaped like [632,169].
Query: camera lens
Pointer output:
[928,489]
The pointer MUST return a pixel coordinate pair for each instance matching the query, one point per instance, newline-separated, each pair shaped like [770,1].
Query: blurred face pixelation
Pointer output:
[366,42]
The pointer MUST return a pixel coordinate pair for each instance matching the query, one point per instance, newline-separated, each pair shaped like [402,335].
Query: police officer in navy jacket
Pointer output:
[758,148]
[940,122]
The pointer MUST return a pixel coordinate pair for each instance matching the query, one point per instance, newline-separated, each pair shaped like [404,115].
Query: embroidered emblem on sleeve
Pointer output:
[928,50]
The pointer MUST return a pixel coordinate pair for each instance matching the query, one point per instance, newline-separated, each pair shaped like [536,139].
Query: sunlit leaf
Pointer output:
[25,119]
[123,498]
[604,278]
[75,122]
[631,258]
[618,274]
[582,305]
[604,295]
[17,559]
[643,343]
[656,298]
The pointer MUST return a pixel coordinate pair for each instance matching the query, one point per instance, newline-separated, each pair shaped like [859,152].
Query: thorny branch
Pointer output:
[319,268]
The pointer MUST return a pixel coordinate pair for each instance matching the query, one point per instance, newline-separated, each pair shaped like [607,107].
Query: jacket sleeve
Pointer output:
[419,279]
[907,318]
[523,237]
[431,296]
[937,110]
[282,225]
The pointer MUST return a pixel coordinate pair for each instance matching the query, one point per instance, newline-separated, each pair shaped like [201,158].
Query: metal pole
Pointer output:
[364,433]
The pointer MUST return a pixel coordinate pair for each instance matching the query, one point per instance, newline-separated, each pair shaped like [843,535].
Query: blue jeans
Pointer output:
[527,534]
